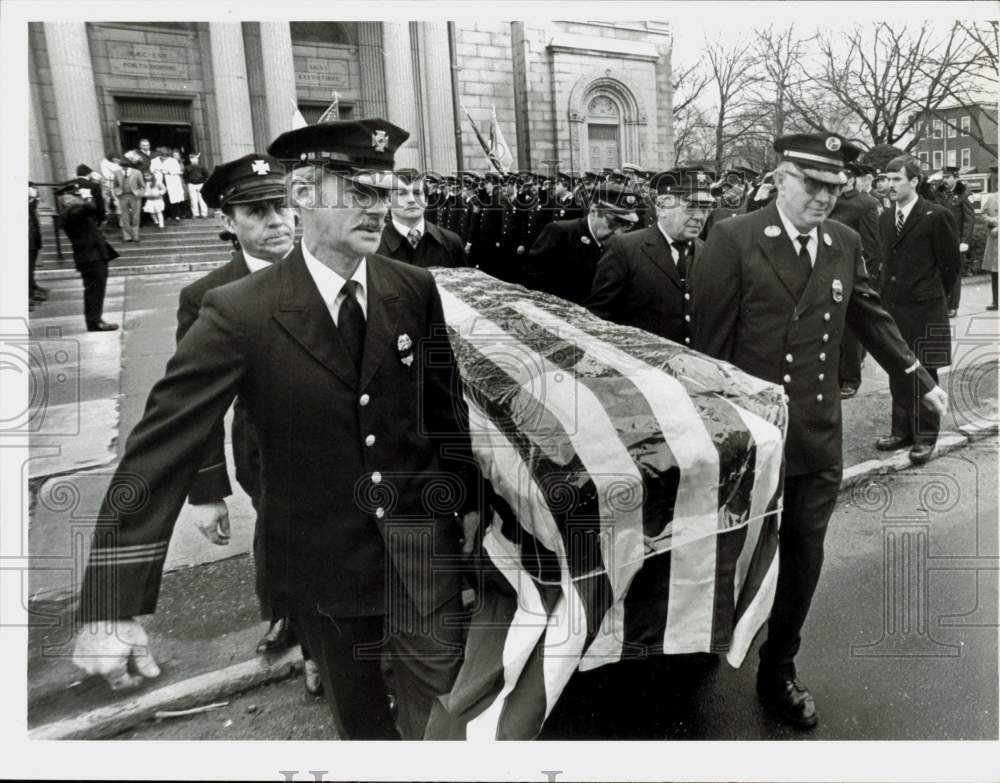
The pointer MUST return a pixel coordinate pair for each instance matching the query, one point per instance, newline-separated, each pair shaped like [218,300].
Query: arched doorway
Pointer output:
[604,120]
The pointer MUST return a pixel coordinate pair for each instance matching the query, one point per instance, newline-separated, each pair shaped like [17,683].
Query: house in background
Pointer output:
[963,136]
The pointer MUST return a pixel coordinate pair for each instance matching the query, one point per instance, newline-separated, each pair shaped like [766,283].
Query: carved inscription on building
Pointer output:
[150,61]
[321,72]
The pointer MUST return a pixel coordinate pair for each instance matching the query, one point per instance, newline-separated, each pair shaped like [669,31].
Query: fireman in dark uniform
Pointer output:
[642,278]
[953,194]
[772,293]
[564,257]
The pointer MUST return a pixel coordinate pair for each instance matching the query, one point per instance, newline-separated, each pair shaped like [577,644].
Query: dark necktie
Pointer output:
[351,323]
[683,248]
[804,258]
[900,220]
[414,237]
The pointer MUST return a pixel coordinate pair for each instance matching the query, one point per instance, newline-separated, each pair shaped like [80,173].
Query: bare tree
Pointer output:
[880,79]
[738,113]
[689,116]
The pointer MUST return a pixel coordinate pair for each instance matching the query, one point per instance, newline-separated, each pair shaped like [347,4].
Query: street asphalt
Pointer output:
[207,618]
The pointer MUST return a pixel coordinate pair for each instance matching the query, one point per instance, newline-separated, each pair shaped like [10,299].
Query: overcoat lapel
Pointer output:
[828,259]
[914,217]
[304,315]
[383,316]
[779,253]
[657,250]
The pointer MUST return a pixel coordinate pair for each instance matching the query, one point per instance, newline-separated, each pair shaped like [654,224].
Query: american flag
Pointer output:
[637,488]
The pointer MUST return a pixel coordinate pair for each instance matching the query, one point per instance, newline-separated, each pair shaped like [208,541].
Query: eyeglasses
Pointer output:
[814,187]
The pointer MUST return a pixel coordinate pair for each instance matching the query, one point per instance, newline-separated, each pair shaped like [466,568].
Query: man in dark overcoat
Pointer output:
[80,220]
[368,487]
[250,192]
[563,259]
[409,237]
[921,264]
[773,291]
[642,278]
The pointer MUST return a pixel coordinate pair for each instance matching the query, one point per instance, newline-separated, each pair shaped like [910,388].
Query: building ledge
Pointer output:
[592,44]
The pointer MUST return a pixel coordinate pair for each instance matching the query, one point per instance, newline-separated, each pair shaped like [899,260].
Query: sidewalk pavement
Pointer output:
[206,624]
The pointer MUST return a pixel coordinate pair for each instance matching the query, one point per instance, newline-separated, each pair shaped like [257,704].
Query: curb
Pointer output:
[113,719]
[110,720]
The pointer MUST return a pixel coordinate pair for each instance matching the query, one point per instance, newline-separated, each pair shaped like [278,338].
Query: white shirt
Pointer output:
[255,264]
[330,284]
[405,230]
[673,248]
[905,210]
[793,234]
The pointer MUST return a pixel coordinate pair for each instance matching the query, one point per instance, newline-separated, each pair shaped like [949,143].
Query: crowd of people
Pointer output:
[784,274]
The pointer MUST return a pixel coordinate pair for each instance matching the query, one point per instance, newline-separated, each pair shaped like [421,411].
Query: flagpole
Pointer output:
[455,99]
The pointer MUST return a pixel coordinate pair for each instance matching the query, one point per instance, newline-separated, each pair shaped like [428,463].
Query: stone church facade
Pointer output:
[580,95]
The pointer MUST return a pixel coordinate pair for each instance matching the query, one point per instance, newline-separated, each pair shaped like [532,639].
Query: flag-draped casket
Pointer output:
[635,488]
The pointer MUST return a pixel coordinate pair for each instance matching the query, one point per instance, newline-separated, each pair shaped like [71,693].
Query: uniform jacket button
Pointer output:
[787,379]
[370,440]
[826,316]
[379,512]
[687,318]
[788,358]
[822,357]
[819,398]
[822,376]
[365,399]
[376,477]
[826,338]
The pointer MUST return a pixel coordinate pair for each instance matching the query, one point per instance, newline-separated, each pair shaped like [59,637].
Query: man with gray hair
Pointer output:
[772,293]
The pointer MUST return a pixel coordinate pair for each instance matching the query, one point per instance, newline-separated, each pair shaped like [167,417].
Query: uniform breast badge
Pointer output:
[827,240]
[585,240]
[404,345]
[772,231]
[838,291]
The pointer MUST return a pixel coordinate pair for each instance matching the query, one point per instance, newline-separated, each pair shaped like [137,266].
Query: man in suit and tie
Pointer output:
[642,278]
[251,194]
[921,263]
[773,291]
[563,259]
[409,237]
[344,363]
[128,189]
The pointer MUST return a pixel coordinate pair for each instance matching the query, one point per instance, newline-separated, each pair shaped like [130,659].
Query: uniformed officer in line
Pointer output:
[772,293]
[730,193]
[642,278]
[486,253]
[331,350]
[953,194]
[859,211]
[563,259]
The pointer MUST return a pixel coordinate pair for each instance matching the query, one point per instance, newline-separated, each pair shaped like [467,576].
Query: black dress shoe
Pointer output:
[921,453]
[991,307]
[893,442]
[847,391]
[277,638]
[788,699]
[101,326]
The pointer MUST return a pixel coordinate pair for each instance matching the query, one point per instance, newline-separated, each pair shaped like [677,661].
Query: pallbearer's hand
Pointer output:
[470,532]
[117,650]
[212,519]
[937,400]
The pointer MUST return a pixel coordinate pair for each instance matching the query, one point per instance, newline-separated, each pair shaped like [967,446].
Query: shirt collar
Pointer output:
[793,232]
[255,264]
[405,230]
[907,209]
[330,283]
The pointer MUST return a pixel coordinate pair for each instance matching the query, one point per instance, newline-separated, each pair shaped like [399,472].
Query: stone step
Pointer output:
[149,246]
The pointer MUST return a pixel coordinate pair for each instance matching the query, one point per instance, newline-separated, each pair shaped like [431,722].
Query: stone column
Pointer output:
[437,96]
[75,94]
[38,168]
[372,70]
[400,91]
[232,95]
[279,76]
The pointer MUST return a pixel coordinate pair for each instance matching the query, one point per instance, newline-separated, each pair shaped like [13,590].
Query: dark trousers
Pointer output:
[851,355]
[33,258]
[993,287]
[808,503]
[955,294]
[95,281]
[362,659]
[910,417]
